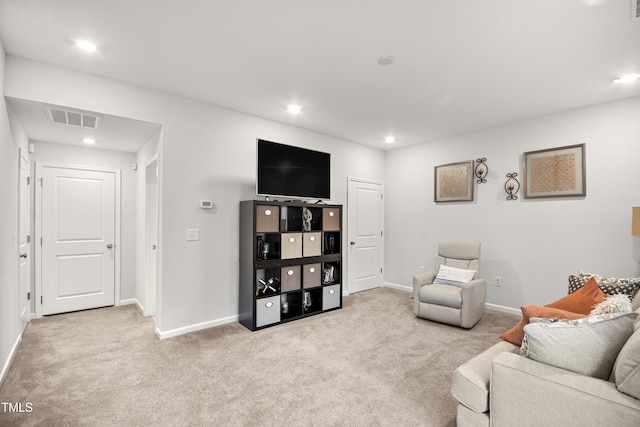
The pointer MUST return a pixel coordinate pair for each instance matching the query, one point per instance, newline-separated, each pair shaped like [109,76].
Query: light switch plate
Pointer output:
[193,234]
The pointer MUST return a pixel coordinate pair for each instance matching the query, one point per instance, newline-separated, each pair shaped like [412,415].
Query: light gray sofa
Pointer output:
[500,387]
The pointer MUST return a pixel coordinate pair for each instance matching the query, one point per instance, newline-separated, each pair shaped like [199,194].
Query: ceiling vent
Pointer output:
[73,118]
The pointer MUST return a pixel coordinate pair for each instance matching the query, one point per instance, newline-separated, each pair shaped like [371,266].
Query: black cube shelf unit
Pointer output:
[290,261]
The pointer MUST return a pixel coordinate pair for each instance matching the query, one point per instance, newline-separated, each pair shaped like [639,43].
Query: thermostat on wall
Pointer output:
[206,204]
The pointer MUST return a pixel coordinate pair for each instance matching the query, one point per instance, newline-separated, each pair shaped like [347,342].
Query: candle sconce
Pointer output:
[512,186]
[481,170]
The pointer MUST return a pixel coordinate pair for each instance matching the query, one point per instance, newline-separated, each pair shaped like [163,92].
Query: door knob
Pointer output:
[109,245]
[353,243]
[23,255]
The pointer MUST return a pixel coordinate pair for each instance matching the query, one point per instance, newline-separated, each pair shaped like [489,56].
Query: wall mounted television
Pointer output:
[287,171]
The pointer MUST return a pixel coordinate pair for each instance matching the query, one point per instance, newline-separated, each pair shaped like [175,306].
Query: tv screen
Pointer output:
[288,171]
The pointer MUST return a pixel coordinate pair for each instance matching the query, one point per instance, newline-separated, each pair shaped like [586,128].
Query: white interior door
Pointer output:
[365,231]
[78,229]
[24,227]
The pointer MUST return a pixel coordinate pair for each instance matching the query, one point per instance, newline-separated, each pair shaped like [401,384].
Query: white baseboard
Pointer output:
[193,328]
[489,306]
[7,363]
[399,287]
[128,301]
[503,309]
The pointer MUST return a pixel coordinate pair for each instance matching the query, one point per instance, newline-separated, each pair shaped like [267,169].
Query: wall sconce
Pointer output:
[635,222]
[481,170]
[512,186]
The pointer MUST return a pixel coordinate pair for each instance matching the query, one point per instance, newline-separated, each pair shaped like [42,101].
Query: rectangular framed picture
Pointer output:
[454,182]
[555,172]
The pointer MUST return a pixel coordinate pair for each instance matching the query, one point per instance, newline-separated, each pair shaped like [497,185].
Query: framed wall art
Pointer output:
[555,172]
[454,182]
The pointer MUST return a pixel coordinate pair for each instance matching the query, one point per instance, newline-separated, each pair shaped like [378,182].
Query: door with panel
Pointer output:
[78,230]
[365,228]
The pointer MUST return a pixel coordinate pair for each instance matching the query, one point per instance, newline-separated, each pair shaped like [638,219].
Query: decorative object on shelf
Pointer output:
[481,171]
[269,285]
[329,275]
[512,186]
[307,217]
[260,247]
[265,250]
[454,182]
[306,302]
[331,243]
[555,172]
[635,222]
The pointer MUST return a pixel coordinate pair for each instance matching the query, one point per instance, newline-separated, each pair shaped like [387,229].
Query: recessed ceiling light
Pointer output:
[386,60]
[627,78]
[89,141]
[294,109]
[86,45]
[390,139]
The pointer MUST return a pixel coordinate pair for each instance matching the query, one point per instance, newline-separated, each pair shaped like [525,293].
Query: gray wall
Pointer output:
[532,244]
[205,152]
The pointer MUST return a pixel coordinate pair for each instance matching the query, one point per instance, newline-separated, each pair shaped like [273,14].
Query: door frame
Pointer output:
[152,220]
[351,219]
[39,166]
[24,154]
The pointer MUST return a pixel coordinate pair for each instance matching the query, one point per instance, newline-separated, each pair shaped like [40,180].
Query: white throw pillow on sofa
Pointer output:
[587,346]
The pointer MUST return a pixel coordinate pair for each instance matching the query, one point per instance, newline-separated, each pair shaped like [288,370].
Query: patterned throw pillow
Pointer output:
[609,285]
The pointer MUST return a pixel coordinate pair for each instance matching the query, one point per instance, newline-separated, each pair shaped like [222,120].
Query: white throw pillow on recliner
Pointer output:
[453,276]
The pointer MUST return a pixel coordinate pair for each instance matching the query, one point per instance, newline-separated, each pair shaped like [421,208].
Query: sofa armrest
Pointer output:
[474,298]
[423,278]
[524,392]
[419,280]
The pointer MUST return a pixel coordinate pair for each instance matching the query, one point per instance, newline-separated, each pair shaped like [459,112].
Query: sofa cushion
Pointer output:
[587,346]
[626,371]
[581,301]
[515,334]
[470,381]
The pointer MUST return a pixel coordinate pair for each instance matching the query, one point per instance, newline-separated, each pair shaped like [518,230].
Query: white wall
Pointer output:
[91,156]
[532,244]
[206,153]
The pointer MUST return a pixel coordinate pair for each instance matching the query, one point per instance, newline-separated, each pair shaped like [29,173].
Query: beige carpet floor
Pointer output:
[372,363]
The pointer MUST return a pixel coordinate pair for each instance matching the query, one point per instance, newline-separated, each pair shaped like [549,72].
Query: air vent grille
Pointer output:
[635,9]
[73,118]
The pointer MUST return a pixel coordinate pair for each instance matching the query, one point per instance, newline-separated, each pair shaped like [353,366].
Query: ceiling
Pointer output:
[458,66]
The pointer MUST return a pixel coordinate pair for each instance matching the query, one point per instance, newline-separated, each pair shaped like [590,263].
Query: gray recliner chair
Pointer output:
[456,305]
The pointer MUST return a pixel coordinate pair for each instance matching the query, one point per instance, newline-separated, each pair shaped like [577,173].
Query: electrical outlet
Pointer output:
[497,281]
[422,269]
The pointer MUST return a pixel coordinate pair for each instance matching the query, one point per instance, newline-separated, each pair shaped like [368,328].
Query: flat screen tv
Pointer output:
[287,171]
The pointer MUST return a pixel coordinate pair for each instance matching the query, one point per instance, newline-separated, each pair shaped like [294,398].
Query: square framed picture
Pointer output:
[555,172]
[454,182]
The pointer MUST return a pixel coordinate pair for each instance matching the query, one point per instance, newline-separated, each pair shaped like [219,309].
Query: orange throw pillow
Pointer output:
[516,334]
[582,300]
